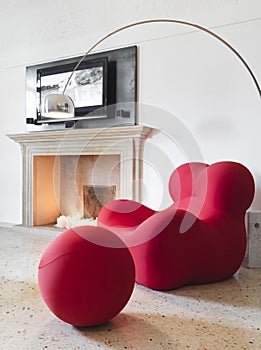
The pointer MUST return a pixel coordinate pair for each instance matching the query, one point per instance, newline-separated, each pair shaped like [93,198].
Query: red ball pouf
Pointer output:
[86,276]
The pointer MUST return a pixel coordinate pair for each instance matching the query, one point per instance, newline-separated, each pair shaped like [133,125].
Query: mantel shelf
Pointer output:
[126,132]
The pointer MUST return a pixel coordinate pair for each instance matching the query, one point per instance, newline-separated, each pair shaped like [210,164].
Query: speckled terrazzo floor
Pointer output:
[225,315]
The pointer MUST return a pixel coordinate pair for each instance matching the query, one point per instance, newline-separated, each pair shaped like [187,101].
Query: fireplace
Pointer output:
[61,167]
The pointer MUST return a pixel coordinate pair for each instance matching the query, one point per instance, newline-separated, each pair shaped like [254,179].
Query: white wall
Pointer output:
[205,102]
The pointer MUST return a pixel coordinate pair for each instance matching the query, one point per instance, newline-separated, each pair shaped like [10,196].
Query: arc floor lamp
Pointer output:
[61,105]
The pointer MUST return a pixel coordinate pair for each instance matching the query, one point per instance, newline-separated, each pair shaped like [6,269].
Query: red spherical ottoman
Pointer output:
[86,276]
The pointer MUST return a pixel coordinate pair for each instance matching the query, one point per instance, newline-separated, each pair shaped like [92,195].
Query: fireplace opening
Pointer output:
[73,186]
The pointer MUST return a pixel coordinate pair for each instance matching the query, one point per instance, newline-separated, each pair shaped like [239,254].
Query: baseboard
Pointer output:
[7,224]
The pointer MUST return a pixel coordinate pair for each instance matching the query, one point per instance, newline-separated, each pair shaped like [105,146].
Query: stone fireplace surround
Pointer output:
[124,142]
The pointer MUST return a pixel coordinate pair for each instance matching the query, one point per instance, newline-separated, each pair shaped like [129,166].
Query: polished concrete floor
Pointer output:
[225,315]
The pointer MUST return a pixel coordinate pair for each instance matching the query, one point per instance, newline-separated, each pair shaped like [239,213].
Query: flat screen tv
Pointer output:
[103,90]
[87,87]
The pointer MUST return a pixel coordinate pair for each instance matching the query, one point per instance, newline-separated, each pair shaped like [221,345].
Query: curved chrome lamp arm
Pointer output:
[167,21]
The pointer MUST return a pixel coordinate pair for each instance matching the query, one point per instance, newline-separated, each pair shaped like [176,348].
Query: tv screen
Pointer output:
[87,87]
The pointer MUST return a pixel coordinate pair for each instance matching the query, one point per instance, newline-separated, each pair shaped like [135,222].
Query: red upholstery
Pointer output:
[201,238]
[183,180]
[86,276]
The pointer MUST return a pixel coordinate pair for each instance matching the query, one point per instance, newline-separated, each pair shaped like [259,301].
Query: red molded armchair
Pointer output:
[201,238]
